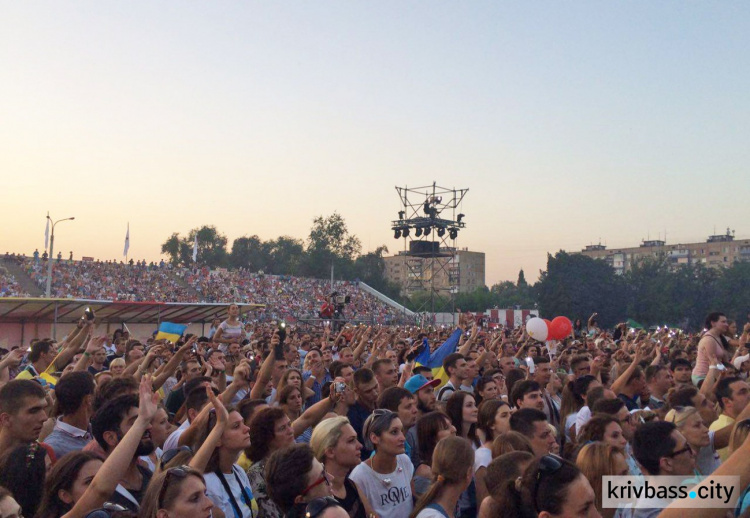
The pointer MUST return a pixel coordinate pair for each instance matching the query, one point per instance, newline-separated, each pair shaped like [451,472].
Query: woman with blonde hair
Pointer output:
[452,471]
[704,443]
[510,442]
[597,460]
[117,366]
[334,443]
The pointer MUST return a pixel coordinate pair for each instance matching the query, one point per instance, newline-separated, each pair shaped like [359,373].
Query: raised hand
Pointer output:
[147,400]
[222,416]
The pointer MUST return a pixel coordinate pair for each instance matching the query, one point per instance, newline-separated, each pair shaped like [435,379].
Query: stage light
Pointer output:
[418,232]
[427,231]
[460,217]
[397,234]
[401,214]
[406,232]
[454,233]
[441,232]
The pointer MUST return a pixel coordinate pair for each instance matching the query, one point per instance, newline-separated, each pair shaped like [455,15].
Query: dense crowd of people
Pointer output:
[269,421]
[9,286]
[285,297]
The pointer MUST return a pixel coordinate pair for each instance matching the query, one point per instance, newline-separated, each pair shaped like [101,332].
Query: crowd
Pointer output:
[267,421]
[285,297]
[9,286]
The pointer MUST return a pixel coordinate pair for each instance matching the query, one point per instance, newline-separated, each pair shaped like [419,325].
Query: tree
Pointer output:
[251,253]
[576,286]
[286,255]
[212,246]
[330,244]
[177,249]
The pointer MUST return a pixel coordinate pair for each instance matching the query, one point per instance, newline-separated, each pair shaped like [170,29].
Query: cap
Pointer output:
[740,360]
[418,382]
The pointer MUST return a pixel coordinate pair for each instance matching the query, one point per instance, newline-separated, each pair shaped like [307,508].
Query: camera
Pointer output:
[342,299]
[339,387]
[279,349]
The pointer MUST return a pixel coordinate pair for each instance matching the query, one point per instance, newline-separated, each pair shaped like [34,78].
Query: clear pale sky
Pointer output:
[568,121]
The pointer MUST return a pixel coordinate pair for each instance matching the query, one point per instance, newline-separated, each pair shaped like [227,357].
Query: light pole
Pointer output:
[51,249]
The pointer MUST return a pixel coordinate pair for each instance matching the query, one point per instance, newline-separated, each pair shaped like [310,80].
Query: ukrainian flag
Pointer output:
[435,360]
[170,331]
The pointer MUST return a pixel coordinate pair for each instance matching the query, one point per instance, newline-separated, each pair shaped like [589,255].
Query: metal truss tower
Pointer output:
[429,224]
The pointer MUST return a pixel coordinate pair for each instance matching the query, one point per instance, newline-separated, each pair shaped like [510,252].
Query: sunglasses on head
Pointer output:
[169,455]
[179,472]
[548,465]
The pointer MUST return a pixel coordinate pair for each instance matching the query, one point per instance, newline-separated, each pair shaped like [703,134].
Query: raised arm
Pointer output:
[173,363]
[106,479]
[315,413]
[266,370]
[622,380]
[203,455]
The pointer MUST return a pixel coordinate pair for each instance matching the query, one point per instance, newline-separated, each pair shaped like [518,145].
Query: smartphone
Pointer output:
[89,314]
[340,387]
[530,364]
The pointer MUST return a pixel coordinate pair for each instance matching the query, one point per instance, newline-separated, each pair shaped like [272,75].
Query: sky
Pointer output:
[571,123]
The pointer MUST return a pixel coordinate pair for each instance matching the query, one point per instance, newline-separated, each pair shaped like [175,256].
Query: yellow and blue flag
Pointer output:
[170,331]
[435,360]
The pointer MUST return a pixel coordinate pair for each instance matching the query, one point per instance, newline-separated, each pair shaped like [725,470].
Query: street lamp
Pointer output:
[51,250]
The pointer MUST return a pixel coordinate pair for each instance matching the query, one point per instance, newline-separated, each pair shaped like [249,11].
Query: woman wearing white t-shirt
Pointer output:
[230,331]
[385,478]
[452,471]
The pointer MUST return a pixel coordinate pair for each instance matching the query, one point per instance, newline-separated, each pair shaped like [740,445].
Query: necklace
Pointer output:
[387,480]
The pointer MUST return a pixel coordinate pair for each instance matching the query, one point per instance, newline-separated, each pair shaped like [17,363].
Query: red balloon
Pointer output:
[559,328]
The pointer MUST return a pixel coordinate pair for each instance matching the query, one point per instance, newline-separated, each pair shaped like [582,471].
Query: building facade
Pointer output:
[717,251]
[461,271]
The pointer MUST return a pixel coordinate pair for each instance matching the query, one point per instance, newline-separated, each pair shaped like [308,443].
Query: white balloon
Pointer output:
[537,329]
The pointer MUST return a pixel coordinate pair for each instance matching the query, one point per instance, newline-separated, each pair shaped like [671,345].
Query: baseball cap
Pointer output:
[418,382]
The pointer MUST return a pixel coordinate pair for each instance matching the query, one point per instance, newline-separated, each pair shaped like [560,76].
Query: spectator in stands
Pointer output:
[455,366]
[386,373]
[22,471]
[733,395]
[366,393]
[452,470]
[66,483]
[292,494]
[527,394]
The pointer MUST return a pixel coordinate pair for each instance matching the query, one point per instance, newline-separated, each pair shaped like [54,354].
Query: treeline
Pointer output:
[329,244]
[653,292]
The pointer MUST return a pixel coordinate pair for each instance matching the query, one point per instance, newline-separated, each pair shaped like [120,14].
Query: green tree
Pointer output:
[330,244]
[286,255]
[576,286]
[212,246]
[177,249]
[252,253]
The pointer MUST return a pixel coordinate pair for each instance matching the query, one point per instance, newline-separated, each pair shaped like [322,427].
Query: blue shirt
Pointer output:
[317,387]
[357,415]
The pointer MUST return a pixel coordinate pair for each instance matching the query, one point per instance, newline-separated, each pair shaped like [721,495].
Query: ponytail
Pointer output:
[429,496]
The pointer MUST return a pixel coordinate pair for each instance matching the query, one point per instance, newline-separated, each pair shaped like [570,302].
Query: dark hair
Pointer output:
[15,391]
[391,398]
[377,424]
[286,392]
[573,394]
[114,388]
[541,358]
[109,417]
[194,383]
[682,396]
[522,388]
[163,491]
[196,399]
[455,410]
[542,489]
[487,412]
[336,369]
[712,317]
[504,469]
[38,349]
[523,419]
[282,488]
[513,377]
[428,427]
[481,383]
[723,389]
[450,361]
[651,442]
[61,477]
[419,369]
[608,406]
[595,394]
[680,362]
[71,390]
[263,431]
[22,472]
[363,375]
[247,407]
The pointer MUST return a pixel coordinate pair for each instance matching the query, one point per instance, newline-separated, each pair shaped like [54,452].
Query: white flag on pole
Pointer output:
[46,234]
[195,248]
[127,242]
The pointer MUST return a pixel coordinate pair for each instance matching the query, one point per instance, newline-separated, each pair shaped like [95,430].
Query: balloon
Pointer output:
[537,329]
[560,328]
